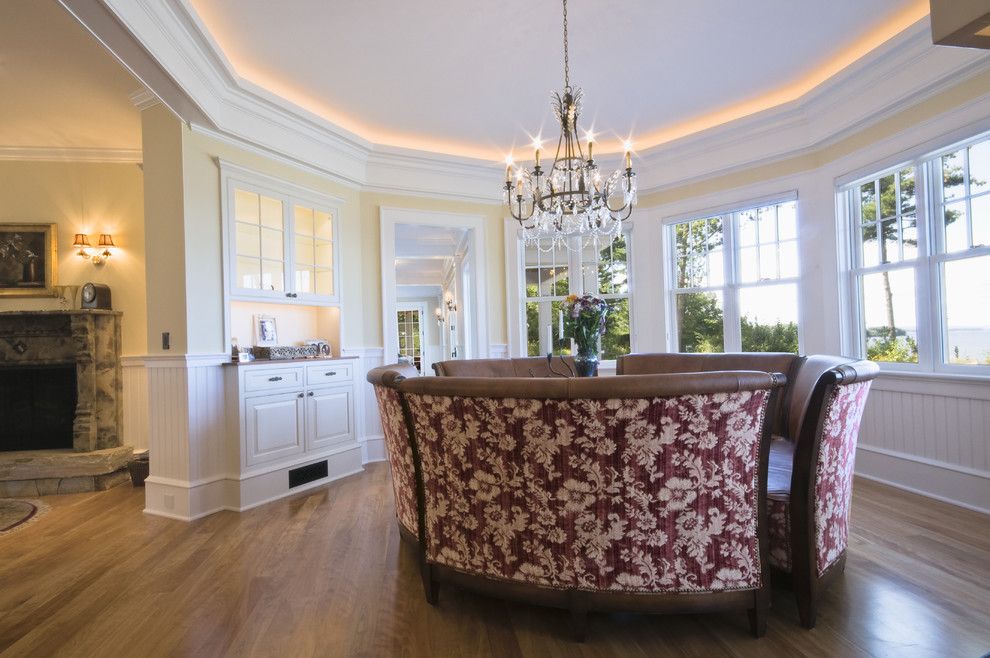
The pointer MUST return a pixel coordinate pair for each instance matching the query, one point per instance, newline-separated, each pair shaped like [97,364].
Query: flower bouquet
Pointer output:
[584,322]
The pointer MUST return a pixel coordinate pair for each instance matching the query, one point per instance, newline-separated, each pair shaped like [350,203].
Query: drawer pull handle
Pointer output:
[330,374]
[274,379]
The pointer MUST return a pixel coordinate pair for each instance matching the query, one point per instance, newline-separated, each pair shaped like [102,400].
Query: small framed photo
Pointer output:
[28,260]
[265,331]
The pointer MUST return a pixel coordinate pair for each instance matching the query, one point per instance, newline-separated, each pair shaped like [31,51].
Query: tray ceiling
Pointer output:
[474,79]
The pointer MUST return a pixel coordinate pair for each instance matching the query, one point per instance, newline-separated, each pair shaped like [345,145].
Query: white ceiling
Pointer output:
[421,252]
[60,88]
[473,79]
[417,241]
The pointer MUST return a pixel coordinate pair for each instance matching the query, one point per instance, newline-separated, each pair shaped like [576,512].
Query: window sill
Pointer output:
[943,384]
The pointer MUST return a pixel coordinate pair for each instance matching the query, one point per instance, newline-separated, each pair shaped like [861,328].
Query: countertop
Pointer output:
[279,362]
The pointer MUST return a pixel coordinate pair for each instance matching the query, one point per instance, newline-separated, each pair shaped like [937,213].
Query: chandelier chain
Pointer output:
[567,79]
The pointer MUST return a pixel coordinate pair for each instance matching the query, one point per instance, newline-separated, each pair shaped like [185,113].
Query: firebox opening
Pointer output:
[37,407]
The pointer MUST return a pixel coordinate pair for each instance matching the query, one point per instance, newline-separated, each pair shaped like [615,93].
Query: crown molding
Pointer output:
[904,71]
[46,154]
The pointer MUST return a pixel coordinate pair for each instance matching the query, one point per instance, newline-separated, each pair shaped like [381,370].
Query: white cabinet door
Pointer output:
[273,427]
[329,417]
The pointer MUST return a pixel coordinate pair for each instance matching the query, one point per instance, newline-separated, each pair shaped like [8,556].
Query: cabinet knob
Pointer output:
[300,395]
[274,379]
[310,394]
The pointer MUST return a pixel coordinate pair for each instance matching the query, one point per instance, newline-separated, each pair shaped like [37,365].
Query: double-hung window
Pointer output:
[734,281]
[550,275]
[920,262]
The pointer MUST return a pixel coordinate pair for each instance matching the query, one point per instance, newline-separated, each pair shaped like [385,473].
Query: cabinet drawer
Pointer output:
[328,373]
[272,379]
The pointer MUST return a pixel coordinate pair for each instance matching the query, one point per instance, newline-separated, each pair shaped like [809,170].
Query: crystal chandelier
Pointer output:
[573,198]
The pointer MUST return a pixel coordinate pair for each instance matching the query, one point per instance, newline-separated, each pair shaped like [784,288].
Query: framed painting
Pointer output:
[265,332]
[28,260]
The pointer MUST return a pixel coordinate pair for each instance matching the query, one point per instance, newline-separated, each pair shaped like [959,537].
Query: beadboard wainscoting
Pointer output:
[929,437]
[186,436]
[135,392]
[369,422]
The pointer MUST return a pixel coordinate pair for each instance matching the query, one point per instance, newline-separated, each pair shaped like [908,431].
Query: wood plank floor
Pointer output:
[324,574]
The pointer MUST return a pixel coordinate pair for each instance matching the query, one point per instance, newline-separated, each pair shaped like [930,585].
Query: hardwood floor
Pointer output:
[324,574]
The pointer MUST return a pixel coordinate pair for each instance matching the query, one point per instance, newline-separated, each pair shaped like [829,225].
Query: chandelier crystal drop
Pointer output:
[573,198]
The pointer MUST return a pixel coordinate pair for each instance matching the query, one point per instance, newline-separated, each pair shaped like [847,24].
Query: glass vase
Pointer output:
[586,362]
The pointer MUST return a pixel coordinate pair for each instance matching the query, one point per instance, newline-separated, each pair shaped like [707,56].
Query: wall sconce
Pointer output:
[448,299]
[81,242]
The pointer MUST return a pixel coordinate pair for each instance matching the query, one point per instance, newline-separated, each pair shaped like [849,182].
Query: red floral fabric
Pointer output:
[400,457]
[624,495]
[834,471]
[779,526]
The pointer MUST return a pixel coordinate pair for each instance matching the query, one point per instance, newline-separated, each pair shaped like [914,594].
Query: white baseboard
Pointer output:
[955,485]
[373,449]
[188,501]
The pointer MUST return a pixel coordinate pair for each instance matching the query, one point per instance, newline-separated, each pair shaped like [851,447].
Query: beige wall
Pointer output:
[164,234]
[90,198]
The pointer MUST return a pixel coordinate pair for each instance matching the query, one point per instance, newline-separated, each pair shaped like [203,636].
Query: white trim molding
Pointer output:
[948,483]
[52,154]
[167,47]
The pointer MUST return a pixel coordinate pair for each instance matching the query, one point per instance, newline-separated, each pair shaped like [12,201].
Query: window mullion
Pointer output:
[730,294]
[928,310]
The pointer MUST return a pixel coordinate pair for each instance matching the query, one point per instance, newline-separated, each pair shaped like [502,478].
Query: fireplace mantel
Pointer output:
[90,339]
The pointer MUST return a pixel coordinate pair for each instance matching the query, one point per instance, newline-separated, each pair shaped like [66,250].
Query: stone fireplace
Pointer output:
[62,415]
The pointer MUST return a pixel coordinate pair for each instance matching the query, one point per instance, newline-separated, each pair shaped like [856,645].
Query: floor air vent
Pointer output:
[310,473]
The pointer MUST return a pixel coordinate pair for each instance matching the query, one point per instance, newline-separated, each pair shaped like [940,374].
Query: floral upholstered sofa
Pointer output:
[639,493]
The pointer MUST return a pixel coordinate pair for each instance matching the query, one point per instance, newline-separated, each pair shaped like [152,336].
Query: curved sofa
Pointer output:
[638,493]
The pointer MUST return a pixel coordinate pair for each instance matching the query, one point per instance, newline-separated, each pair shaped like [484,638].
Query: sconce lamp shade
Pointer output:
[106,240]
[80,240]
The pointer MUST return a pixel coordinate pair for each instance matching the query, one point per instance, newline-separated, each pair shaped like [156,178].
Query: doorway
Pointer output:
[411,327]
[433,267]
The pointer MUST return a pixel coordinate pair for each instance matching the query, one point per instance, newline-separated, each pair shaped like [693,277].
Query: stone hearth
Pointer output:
[89,340]
[47,472]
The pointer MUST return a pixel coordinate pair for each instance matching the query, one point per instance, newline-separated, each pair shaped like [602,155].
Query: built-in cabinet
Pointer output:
[285,415]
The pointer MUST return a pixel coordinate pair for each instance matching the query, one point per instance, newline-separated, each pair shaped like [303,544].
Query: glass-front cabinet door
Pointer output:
[259,244]
[314,255]
[282,243]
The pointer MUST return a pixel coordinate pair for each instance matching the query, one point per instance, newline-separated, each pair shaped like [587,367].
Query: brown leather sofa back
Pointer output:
[594,388]
[674,362]
[802,386]
[535,366]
